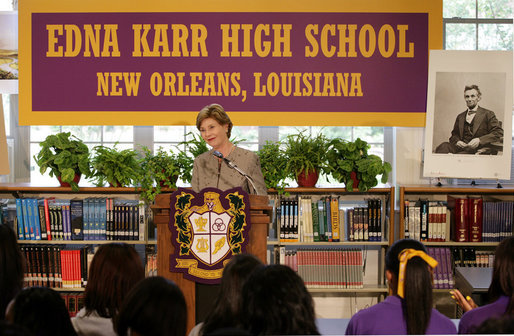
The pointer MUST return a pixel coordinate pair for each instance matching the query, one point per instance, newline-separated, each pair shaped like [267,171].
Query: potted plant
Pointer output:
[188,151]
[66,156]
[350,163]
[117,167]
[158,170]
[306,157]
[273,166]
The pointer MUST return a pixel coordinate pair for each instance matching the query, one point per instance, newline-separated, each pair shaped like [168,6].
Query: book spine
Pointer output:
[334,211]
[77,219]
[475,218]
[315,221]
[19,221]
[461,219]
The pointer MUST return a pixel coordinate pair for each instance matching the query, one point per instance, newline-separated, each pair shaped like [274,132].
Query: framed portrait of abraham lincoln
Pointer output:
[468,132]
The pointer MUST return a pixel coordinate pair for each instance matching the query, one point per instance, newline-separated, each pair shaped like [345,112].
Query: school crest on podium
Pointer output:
[207,229]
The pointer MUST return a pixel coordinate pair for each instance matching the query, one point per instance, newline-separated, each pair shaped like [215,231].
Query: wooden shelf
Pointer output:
[83,242]
[325,244]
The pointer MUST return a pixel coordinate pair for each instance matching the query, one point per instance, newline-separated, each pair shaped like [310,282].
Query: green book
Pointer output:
[315,221]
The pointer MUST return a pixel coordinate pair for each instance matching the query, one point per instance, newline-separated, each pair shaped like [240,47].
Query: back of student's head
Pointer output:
[502,282]
[496,325]
[276,302]
[155,306]
[114,270]
[227,307]
[417,284]
[11,267]
[9,329]
[42,311]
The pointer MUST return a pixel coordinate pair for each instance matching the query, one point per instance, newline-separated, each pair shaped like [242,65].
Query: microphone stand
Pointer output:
[236,168]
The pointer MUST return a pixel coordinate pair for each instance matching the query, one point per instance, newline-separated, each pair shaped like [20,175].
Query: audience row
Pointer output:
[254,299]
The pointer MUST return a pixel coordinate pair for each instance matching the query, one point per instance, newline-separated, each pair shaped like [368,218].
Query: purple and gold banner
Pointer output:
[269,67]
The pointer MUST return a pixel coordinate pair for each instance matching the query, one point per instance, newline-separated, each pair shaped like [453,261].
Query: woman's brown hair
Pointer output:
[114,270]
[216,112]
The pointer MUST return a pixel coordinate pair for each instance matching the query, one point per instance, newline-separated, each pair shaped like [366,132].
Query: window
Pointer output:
[477,24]
[91,135]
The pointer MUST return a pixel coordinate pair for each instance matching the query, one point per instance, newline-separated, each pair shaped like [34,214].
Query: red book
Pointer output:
[461,220]
[47,218]
[475,219]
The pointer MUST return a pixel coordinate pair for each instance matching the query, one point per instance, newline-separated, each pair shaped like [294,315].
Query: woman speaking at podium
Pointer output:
[225,166]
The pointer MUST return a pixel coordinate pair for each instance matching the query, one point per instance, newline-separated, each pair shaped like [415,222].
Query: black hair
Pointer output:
[42,311]
[155,306]
[496,325]
[417,301]
[227,308]
[276,302]
[12,266]
[502,282]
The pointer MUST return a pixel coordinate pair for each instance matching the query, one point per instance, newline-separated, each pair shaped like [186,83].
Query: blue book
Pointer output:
[85,218]
[19,218]
[77,219]
[27,222]
[34,213]
[103,218]
[97,218]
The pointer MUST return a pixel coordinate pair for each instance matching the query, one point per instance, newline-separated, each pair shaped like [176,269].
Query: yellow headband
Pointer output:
[404,256]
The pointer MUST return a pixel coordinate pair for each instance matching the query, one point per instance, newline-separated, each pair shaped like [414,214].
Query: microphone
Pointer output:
[233,166]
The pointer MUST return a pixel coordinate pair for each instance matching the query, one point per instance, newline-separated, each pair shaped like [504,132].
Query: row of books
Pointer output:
[325,268]
[427,221]
[470,257]
[94,218]
[56,267]
[327,219]
[74,302]
[459,219]
[443,273]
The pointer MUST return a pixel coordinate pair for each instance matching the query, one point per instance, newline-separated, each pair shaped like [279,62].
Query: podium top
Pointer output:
[478,278]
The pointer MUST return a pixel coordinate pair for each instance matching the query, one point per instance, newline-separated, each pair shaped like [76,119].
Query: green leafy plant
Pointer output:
[189,150]
[305,153]
[114,166]
[158,170]
[346,157]
[66,156]
[273,166]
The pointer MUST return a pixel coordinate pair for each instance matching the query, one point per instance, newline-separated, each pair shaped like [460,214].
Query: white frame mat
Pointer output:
[449,72]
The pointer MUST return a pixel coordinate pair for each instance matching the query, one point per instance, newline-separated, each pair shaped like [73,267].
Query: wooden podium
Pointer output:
[260,213]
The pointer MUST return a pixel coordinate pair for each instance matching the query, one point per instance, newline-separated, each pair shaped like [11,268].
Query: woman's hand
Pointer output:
[466,303]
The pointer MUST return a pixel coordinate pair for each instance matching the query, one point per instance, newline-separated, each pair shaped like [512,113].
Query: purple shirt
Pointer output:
[475,317]
[386,318]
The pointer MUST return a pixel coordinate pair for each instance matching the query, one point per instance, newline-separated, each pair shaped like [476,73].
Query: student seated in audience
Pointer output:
[501,291]
[496,325]
[115,269]
[9,329]
[12,266]
[276,302]
[409,309]
[227,308]
[42,311]
[154,307]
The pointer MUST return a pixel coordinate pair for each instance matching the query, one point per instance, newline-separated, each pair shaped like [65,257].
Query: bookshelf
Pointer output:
[492,209]
[317,268]
[41,253]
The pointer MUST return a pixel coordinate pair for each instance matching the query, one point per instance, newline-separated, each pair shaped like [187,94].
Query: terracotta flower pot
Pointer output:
[76,179]
[308,180]
[353,176]
[115,185]
[172,179]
